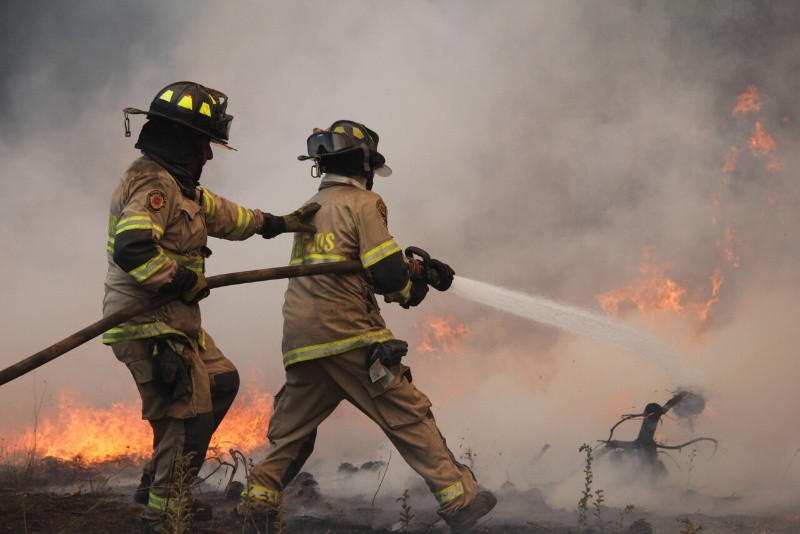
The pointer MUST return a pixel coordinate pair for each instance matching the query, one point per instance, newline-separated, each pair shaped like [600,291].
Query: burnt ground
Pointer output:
[64,498]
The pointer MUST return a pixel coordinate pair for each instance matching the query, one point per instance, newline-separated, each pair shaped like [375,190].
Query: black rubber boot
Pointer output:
[142,493]
[465,519]
[201,510]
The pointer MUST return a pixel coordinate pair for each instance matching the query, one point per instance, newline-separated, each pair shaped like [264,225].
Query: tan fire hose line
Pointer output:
[244,277]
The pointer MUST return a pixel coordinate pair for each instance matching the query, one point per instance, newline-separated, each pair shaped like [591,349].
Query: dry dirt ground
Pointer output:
[70,499]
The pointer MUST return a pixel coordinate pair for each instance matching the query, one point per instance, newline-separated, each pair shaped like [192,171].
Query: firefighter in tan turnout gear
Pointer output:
[336,345]
[159,222]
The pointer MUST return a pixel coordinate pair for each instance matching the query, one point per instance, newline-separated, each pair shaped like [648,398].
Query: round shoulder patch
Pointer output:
[384,211]
[156,201]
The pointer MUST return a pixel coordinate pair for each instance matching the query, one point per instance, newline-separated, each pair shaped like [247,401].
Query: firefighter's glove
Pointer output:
[419,289]
[389,352]
[297,221]
[171,373]
[191,286]
[419,284]
[439,274]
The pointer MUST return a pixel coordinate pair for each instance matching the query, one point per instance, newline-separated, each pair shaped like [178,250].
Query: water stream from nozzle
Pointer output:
[582,322]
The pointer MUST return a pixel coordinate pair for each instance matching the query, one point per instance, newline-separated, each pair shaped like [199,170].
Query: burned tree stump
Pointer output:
[645,449]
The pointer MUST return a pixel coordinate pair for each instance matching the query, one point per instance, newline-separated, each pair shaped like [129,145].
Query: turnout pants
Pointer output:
[312,391]
[186,425]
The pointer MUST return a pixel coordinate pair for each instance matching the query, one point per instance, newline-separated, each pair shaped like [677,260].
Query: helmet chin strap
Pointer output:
[365,148]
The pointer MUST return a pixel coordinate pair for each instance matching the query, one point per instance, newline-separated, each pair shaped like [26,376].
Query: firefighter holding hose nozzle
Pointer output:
[336,345]
[158,228]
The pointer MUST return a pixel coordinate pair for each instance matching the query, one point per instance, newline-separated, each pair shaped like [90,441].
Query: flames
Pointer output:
[747,102]
[760,143]
[653,290]
[441,334]
[85,434]
[73,429]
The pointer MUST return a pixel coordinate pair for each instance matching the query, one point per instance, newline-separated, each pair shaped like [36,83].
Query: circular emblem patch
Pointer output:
[156,200]
[384,211]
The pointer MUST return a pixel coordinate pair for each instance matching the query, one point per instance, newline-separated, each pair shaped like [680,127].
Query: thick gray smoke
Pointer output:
[550,147]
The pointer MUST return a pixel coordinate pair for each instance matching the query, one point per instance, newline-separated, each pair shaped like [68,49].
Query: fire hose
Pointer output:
[244,277]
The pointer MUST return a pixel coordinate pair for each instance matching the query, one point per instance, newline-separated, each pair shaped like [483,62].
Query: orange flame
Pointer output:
[730,254]
[731,159]
[439,333]
[747,101]
[651,291]
[702,309]
[761,143]
[86,434]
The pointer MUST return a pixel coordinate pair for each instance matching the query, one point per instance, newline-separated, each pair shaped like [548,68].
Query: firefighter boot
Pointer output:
[151,527]
[258,517]
[142,493]
[466,518]
[201,510]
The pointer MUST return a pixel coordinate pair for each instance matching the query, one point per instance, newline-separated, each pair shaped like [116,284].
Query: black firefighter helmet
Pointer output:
[346,147]
[190,104]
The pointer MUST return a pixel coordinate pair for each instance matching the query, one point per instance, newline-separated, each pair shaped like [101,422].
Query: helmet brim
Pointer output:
[214,139]
[384,170]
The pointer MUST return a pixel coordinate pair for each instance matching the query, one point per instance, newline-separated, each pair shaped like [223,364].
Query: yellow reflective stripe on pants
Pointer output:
[164,503]
[449,494]
[262,493]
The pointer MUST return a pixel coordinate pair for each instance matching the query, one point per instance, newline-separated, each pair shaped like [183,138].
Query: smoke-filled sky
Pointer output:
[551,147]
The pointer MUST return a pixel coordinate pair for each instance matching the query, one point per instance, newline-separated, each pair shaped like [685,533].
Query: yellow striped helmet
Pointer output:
[188,103]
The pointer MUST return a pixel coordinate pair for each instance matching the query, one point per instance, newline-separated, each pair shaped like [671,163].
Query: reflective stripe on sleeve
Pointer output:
[323,350]
[208,204]
[399,296]
[139,331]
[190,262]
[138,222]
[150,267]
[371,257]
[243,219]
[449,494]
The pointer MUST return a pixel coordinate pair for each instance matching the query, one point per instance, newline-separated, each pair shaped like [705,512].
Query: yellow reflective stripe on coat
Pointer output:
[138,222]
[449,494]
[150,267]
[371,257]
[262,493]
[313,352]
[317,258]
[139,331]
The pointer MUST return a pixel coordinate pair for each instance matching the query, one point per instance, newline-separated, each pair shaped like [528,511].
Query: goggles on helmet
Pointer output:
[326,142]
